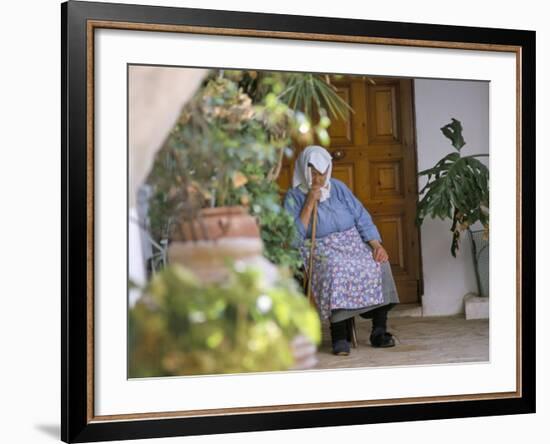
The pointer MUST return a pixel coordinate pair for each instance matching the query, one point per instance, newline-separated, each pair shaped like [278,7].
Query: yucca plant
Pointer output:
[457,188]
[311,93]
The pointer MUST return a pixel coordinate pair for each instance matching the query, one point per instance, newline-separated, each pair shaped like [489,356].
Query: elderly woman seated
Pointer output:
[351,272]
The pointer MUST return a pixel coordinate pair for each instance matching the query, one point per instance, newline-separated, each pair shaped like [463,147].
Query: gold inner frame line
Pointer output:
[97,24]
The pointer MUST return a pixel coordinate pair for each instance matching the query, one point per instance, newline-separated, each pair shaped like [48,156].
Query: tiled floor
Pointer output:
[419,340]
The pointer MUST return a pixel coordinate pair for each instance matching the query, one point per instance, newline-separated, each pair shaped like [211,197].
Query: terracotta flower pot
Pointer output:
[208,259]
[216,223]
[216,235]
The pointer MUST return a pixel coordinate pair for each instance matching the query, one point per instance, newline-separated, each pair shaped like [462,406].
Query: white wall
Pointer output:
[448,279]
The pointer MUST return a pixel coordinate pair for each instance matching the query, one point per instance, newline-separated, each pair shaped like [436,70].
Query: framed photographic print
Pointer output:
[277,221]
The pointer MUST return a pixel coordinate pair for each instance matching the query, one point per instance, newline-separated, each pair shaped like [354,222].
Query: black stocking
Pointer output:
[339,330]
[379,316]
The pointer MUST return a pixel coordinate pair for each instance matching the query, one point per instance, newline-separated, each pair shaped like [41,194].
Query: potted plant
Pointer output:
[214,178]
[198,179]
[458,189]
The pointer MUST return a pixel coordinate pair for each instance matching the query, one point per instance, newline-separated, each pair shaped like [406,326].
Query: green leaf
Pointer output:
[453,131]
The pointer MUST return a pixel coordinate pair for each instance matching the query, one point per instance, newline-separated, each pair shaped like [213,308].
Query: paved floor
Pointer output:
[419,340]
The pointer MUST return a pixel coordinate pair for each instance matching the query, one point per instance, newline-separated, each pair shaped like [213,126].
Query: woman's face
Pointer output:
[317,178]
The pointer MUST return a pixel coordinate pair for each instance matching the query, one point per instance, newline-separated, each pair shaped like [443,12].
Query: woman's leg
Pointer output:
[378,315]
[379,337]
[339,337]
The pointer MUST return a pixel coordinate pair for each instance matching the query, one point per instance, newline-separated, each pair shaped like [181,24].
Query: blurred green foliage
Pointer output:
[184,327]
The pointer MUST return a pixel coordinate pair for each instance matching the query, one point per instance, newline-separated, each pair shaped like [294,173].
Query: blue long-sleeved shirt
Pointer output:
[339,212]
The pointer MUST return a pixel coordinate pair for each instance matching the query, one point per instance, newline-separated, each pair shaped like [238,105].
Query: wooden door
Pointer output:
[374,154]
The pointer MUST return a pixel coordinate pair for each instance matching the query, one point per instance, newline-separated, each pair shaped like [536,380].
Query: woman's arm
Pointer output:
[363,220]
[293,205]
[301,210]
[365,225]
[307,210]
[374,243]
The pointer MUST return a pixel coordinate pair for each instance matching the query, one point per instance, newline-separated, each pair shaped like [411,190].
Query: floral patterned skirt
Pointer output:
[345,274]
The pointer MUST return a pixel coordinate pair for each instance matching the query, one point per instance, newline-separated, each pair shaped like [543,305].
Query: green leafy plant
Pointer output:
[277,227]
[457,188]
[185,327]
[201,163]
[227,149]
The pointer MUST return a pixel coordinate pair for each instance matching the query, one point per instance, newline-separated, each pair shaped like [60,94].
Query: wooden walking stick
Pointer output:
[311,252]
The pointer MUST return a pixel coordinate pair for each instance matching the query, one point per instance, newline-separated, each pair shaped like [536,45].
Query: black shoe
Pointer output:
[381,338]
[341,347]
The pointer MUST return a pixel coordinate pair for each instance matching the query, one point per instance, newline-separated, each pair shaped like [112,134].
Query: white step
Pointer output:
[401,310]
[476,307]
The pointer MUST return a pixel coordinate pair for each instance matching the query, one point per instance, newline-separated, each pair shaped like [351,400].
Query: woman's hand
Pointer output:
[379,252]
[313,196]
[314,193]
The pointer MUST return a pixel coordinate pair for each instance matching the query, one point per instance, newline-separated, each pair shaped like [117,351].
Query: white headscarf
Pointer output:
[321,159]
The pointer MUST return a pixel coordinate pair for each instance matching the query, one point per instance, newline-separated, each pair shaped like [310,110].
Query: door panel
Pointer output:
[383,113]
[285,178]
[391,231]
[345,173]
[387,179]
[341,131]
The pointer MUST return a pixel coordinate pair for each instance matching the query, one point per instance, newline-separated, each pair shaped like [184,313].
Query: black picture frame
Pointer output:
[77,425]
